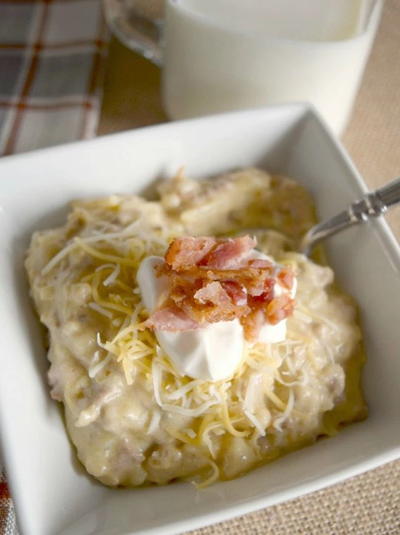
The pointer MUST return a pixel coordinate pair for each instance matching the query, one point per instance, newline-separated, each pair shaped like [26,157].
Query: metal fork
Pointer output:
[372,204]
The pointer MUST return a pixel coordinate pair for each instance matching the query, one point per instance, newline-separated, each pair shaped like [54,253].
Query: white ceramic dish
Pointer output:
[51,492]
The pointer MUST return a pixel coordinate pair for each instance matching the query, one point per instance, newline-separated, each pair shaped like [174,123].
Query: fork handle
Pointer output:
[371,204]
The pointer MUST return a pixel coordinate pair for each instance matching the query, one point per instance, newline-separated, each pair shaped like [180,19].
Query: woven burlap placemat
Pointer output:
[364,505]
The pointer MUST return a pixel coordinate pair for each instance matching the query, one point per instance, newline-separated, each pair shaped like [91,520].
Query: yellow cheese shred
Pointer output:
[105,256]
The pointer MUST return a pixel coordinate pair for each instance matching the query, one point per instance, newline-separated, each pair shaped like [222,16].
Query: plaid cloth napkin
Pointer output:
[51,58]
[7,517]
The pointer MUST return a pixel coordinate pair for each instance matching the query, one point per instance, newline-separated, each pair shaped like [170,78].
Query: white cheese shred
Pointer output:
[96,367]
[277,424]
[101,310]
[154,424]
[113,276]
[211,479]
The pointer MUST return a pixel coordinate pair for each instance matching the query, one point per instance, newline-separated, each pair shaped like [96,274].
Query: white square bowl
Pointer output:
[51,492]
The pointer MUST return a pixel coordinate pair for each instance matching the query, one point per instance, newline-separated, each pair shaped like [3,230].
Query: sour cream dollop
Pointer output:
[212,352]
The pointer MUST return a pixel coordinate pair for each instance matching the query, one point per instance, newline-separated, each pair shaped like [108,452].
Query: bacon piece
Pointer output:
[187,251]
[228,253]
[211,280]
[204,272]
[170,318]
[209,313]
[213,293]
[253,279]
[236,292]
[256,301]
[209,304]
[252,324]
[286,278]
[265,308]
[261,263]
[279,309]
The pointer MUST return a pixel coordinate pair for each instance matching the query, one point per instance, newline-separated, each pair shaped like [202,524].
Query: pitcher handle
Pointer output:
[138,25]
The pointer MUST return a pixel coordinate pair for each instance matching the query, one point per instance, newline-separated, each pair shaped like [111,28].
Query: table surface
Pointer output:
[366,504]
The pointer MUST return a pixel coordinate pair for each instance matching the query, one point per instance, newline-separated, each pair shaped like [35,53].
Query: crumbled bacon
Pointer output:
[209,252]
[187,251]
[251,278]
[214,280]
[265,296]
[252,323]
[210,303]
[213,292]
[236,292]
[260,263]
[286,278]
[279,308]
[229,253]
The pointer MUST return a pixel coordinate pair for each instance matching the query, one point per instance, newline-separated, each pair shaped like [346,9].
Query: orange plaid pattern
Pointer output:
[51,57]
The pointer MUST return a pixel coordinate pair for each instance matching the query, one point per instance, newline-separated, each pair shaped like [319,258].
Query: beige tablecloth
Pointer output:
[368,504]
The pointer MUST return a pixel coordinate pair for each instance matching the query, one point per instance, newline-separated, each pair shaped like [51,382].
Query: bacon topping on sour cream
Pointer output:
[212,280]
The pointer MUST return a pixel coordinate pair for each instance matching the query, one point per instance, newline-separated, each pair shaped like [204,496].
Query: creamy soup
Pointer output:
[134,412]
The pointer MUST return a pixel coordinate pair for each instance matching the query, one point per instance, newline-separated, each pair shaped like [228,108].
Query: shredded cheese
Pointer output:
[211,479]
[96,367]
[98,308]
[113,276]
[154,422]
[246,406]
[277,424]
[105,256]
[63,253]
